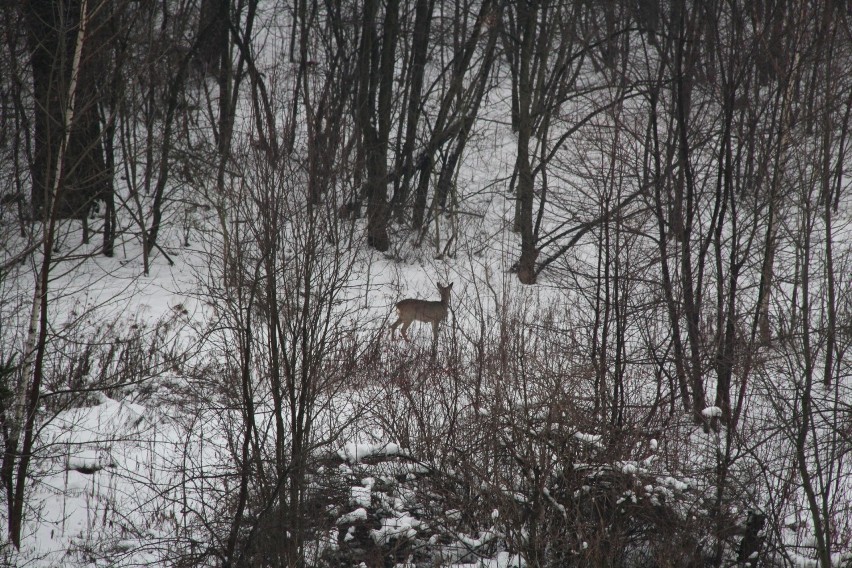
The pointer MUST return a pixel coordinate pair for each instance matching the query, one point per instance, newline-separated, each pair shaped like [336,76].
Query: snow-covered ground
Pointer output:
[138,439]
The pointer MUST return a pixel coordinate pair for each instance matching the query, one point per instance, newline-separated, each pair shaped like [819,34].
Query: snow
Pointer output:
[474,543]
[110,438]
[550,498]
[85,464]
[359,514]
[673,483]
[118,455]
[395,527]
[501,560]
[361,496]
[354,452]
[712,412]
[590,439]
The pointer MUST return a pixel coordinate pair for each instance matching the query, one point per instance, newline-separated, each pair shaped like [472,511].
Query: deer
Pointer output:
[426,311]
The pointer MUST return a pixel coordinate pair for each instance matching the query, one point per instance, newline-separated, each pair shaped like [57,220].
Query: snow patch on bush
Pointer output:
[354,452]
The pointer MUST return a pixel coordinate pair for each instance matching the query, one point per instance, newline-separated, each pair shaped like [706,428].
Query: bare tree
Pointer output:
[54,35]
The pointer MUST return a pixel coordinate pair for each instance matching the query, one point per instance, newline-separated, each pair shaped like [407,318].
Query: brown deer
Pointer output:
[427,311]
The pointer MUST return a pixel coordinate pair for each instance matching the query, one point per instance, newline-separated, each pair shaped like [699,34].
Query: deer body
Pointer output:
[426,311]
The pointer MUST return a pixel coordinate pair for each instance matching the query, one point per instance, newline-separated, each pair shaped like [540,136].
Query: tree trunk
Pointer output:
[420,44]
[376,79]
[52,29]
[29,389]
[527,22]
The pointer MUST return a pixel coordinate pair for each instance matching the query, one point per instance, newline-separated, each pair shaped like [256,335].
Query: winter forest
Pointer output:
[218,219]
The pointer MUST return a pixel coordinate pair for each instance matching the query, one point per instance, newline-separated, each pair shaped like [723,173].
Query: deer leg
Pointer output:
[435,331]
[404,330]
[394,326]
